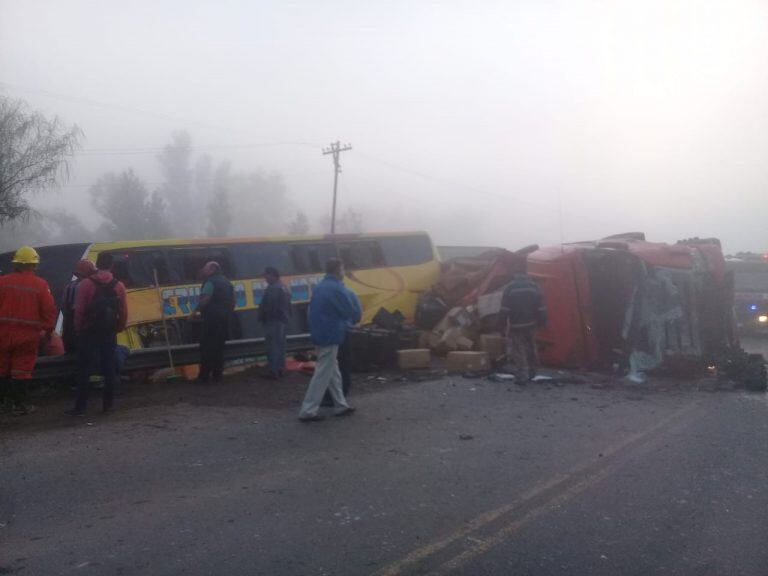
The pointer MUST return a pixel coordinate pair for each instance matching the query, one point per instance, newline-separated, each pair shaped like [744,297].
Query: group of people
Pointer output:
[333,309]
[94,309]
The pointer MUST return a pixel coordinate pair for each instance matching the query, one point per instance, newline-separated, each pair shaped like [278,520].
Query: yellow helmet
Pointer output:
[26,255]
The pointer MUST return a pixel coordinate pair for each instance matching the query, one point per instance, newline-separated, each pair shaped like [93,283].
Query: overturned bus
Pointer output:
[625,304]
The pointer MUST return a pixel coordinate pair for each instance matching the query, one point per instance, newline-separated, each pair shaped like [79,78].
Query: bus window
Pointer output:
[311,258]
[251,259]
[406,250]
[186,263]
[300,259]
[361,254]
[135,268]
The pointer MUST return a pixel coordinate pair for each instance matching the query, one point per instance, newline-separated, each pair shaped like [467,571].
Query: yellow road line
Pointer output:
[423,552]
[474,524]
[482,546]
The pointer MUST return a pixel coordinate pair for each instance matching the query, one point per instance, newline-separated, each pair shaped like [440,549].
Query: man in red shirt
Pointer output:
[27,313]
[101,312]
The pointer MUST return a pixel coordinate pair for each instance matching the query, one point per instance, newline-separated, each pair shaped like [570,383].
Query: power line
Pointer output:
[557,210]
[130,109]
[158,149]
[101,104]
[444,182]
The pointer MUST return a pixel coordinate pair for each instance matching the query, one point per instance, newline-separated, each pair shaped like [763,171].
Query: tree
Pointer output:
[33,155]
[185,212]
[348,222]
[129,211]
[219,208]
[299,226]
[261,203]
[204,179]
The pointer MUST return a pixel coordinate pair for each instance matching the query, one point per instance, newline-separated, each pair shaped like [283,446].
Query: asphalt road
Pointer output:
[452,476]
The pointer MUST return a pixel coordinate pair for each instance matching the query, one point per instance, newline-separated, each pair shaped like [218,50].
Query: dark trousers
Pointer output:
[344,359]
[102,350]
[68,334]
[345,366]
[13,392]
[212,339]
[274,334]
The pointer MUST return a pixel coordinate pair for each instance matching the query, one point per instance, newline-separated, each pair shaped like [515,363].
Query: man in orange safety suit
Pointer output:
[27,314]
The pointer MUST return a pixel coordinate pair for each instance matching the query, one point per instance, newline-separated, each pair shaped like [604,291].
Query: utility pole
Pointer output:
[335,148]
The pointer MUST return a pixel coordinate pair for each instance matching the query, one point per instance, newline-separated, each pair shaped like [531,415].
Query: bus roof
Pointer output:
[123,244]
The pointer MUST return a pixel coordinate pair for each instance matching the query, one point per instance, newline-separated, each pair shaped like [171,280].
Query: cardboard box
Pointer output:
[410,359]
[467,361]
[494,344]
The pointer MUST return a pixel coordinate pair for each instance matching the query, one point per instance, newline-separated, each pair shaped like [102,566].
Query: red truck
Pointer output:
[625,303]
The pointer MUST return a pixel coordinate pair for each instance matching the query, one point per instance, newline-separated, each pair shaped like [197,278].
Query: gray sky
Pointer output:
[473,120]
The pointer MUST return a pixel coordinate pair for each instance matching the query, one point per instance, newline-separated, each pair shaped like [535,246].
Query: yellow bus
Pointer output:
[386,270]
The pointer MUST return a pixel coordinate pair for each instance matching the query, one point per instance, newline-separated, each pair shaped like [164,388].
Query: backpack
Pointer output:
[101,316]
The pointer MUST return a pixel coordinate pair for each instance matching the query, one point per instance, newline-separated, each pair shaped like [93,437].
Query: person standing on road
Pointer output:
[101,311]
[83,269]
[217,301]
[344,356]
[330,312]
[275,313]
[27,313]
[523,310]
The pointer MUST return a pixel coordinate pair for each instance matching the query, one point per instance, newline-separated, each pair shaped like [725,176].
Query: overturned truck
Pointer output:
[625,304]
[620,304]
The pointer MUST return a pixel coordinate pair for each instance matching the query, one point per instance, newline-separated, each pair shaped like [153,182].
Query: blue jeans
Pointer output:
[274,333]
[104,350]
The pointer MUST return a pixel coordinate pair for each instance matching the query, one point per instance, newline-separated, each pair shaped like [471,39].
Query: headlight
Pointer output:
[762,319]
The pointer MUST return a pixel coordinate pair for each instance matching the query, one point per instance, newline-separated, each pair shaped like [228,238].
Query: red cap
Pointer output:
[84,268]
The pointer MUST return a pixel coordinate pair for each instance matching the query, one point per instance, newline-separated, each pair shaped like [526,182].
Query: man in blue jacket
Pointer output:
[331,311]
[345,353]
[523,307]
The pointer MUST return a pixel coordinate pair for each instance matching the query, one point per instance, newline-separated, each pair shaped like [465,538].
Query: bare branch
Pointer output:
[33,155]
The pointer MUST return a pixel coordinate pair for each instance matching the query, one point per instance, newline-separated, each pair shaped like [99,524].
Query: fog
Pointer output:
[495,123]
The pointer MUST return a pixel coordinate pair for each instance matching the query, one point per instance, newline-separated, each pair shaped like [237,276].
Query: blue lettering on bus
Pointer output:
[180,300]
[240,297]
[300,289]
[257,291]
